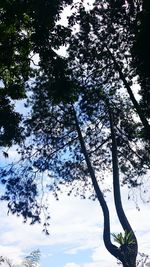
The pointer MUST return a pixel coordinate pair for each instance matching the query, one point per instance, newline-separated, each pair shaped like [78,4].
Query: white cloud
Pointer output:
[75,223]
[98,264]
[71,264]
[92,264]
[11,252]
[68,227]
[103,257]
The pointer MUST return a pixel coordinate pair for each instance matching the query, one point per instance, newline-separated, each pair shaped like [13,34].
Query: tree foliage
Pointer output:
[103,46]
[141,55]
[32,260]
[27,28]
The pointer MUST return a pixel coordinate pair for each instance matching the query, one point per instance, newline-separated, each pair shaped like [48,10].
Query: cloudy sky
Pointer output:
[75,238]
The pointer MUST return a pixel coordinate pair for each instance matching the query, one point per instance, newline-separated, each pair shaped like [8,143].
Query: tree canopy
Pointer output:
[113,40]
[27,28]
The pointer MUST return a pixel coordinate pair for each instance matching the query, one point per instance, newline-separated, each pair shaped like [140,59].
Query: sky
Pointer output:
[75,238]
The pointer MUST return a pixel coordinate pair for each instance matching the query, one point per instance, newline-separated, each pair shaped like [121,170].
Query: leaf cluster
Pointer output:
[27,28]
[124,239]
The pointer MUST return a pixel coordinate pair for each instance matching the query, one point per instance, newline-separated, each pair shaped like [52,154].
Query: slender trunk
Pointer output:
[132,97]
[126,254]
[132,249]
[106,233]
[116,183]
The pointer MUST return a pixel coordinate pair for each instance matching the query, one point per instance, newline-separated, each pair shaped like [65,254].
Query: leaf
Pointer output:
[5,154]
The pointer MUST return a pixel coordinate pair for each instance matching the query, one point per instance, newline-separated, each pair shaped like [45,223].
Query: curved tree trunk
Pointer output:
[106,232]
[126,254]
[129,251]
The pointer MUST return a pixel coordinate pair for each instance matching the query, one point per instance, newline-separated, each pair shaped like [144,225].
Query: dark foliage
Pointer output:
[141,55]
[27,28]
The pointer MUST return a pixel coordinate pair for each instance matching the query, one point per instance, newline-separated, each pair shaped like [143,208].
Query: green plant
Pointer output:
[124,238]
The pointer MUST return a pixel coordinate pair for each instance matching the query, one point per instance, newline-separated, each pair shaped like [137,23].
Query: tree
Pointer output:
[86,127]
[32,260]
[7,261]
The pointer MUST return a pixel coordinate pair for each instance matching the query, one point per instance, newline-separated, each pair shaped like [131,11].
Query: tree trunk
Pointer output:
[129,251]
[129,265]
[126,254]
[106,232]
[116,180]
